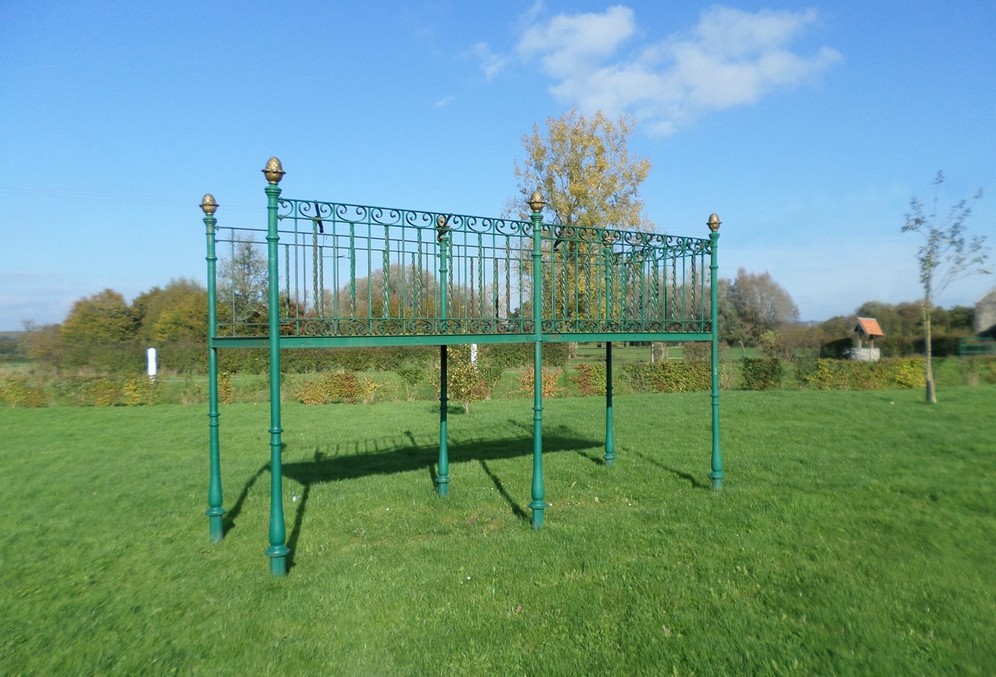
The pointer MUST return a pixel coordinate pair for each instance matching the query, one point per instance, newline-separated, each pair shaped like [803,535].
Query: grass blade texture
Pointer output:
[854,534]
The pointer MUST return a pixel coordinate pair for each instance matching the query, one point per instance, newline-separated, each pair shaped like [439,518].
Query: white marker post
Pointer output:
[151,358]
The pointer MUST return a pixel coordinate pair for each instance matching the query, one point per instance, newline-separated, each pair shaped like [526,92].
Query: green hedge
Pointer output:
[825,374]
[668,376]
[335,386]
[312,360]
[119,357]
[189,357]
[763,373]
[104,391]
[21,392]
[590,378]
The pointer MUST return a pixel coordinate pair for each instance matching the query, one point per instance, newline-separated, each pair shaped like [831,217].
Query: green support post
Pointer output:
[610,441]
[278,550]
[214,512]
[443,467]
[717,473]
[538,504]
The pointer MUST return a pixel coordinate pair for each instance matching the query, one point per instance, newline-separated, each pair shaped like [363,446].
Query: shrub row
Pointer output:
[854,375]
[550,386]
[304,361]
[22,393]
[473,382]
[86,391]
[980,368]
[188,357]
[669,376]
[590,378]
[118,357]
[761,373]
[312,360]
[335,386]
[395,358]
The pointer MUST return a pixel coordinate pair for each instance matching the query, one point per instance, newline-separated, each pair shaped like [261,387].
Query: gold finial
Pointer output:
[442,226]
[208,205]
[713,222]
[273,170]
[536,202]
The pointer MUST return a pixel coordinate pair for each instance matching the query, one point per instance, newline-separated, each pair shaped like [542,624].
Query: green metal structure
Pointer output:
[976,345]
[343,275]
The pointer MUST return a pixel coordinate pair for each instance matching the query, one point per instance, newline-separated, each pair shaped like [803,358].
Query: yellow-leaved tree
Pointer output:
[584,170]
[589,180]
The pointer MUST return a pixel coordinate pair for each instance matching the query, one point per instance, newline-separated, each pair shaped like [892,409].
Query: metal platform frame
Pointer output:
[448,279]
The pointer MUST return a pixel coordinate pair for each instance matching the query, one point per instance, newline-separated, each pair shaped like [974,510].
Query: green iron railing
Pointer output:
[360,271]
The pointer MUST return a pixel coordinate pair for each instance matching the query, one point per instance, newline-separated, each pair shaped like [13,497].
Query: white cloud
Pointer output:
[491,63]
[739,33]
[730,58]
[568,45]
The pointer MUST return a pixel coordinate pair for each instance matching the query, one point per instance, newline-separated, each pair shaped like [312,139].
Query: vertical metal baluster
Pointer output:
[352,270]
[335,277]
[386,310]
[369,248]
[481,296]
[508,275]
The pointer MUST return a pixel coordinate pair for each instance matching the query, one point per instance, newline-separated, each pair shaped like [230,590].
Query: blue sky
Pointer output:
[807,126]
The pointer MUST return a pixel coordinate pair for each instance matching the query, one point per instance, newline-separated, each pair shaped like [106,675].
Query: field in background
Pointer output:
[372,376]
[854,535]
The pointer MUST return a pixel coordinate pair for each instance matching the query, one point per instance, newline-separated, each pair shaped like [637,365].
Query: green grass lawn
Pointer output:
[854,535]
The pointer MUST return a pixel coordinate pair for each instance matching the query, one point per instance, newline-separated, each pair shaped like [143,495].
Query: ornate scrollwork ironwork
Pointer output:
[353,271]
[353,327]
[480,326]
[417,327]
[351,213]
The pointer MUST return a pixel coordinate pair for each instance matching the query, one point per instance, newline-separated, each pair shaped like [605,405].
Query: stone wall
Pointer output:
[985,313]
[865,354]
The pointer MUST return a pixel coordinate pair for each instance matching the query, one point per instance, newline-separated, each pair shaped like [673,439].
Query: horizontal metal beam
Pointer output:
[446,339]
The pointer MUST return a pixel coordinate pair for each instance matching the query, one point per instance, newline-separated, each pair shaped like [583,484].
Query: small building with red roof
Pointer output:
[868,330]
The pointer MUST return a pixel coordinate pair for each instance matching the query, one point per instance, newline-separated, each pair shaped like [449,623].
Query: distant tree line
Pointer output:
[11,349]
[106,334]
[103,333]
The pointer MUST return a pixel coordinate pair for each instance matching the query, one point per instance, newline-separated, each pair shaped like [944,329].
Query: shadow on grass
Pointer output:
[583,452]
[228,522]
[451,408]
[345,461]
[696,482]
[597,460]
[516,508]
